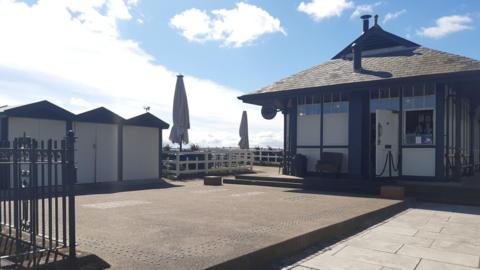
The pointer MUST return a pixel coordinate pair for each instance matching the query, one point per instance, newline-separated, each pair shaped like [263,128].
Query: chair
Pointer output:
[330,163]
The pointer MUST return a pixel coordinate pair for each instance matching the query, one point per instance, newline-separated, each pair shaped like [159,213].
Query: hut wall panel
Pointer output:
[312,154]
[308,130]
[97,152]
[418,161]
[140,152]
[39,129]
[85,152]
[107,152]
[335,129]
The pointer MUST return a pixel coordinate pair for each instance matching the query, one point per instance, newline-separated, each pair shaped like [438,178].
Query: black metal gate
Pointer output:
[37,198]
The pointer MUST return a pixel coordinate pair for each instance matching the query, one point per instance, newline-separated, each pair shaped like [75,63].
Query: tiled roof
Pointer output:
[409,62]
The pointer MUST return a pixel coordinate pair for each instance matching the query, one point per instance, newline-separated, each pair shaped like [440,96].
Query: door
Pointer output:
[97,152]
[386,143]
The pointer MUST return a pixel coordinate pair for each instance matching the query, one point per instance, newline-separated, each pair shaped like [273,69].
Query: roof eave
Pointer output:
[262,98]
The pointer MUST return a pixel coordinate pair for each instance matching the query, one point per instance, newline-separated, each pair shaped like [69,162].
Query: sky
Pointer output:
[125,54]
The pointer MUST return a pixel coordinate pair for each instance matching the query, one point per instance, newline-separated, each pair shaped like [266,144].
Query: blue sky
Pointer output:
[124,54]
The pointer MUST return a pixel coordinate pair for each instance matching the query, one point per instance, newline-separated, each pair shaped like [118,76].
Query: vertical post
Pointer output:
[355,134]
[400,132]
[472,139]
[205,161]
[34,200]
[160,153]
[120,152]
[71,179]
[458,134]
[440,131]
[16,200]
[177,164]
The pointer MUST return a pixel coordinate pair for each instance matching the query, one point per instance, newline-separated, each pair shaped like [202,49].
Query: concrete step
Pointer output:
[269,178]
[269,183]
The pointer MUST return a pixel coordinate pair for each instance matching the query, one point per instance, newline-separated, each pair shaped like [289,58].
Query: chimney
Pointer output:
[376,20]
[366,22]
[357,58]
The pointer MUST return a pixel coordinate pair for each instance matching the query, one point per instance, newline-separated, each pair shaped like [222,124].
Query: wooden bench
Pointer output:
[330,163]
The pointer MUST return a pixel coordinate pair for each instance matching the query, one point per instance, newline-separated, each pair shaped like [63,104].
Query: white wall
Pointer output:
[96,152]
[39,129]
[140,152]
[418,161]
[308,130]
[335,129]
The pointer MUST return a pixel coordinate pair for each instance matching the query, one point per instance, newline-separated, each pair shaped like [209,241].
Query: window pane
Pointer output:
[419,127]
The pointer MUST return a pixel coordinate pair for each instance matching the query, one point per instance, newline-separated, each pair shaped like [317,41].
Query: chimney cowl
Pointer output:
[356,57]
[375,20]
[366,22]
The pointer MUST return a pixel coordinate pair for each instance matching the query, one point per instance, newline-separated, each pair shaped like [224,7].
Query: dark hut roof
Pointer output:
[100,115]
[385,56]
[147,120]
[41,109]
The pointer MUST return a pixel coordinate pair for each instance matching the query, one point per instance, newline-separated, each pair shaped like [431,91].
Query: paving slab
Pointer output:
[433,265]
[192,226]
[440,255]
[398,238]
[327,262]
[379,258]
[457,246]
[428,237]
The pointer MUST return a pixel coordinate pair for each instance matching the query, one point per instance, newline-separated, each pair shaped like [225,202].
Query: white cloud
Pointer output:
[393,15]
[234,27]
[71,53]
[364,9]
[323,9]
[447,25]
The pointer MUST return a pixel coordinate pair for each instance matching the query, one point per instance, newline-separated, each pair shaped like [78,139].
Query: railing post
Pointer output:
[206,161]
[71,179]
[177,164]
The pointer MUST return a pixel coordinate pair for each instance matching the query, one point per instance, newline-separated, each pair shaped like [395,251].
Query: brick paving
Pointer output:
[192,226]
[427,237]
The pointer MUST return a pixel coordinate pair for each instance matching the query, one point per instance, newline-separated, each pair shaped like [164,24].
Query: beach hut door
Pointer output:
[386,141]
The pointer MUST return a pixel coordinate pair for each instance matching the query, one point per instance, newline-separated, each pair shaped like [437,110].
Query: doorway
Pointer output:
[385,143]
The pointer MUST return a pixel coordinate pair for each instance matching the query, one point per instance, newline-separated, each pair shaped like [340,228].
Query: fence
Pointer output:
[208,161]
[268,156]
[37,201]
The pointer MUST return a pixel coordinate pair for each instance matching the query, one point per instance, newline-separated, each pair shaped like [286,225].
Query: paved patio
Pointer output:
[187,225]
[429,237]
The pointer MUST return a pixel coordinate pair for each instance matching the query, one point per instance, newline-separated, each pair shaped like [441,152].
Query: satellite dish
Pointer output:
[269,112]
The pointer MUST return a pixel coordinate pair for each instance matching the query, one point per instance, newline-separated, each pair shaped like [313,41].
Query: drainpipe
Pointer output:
[357,58]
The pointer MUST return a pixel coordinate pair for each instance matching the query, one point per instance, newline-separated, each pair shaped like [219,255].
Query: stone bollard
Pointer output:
[212,180]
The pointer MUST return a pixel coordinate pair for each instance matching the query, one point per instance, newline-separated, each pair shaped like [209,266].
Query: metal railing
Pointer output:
[37,200]
[207,161]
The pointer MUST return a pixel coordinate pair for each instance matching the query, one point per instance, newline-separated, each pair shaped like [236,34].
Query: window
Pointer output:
[335,103]
[309,105]
[419,127]
[385,99]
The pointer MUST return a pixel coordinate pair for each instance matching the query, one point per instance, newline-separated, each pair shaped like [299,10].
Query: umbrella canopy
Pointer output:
[181,118]
[244,132]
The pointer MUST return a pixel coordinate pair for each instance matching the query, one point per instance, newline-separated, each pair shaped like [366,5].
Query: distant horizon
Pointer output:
[125,54]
